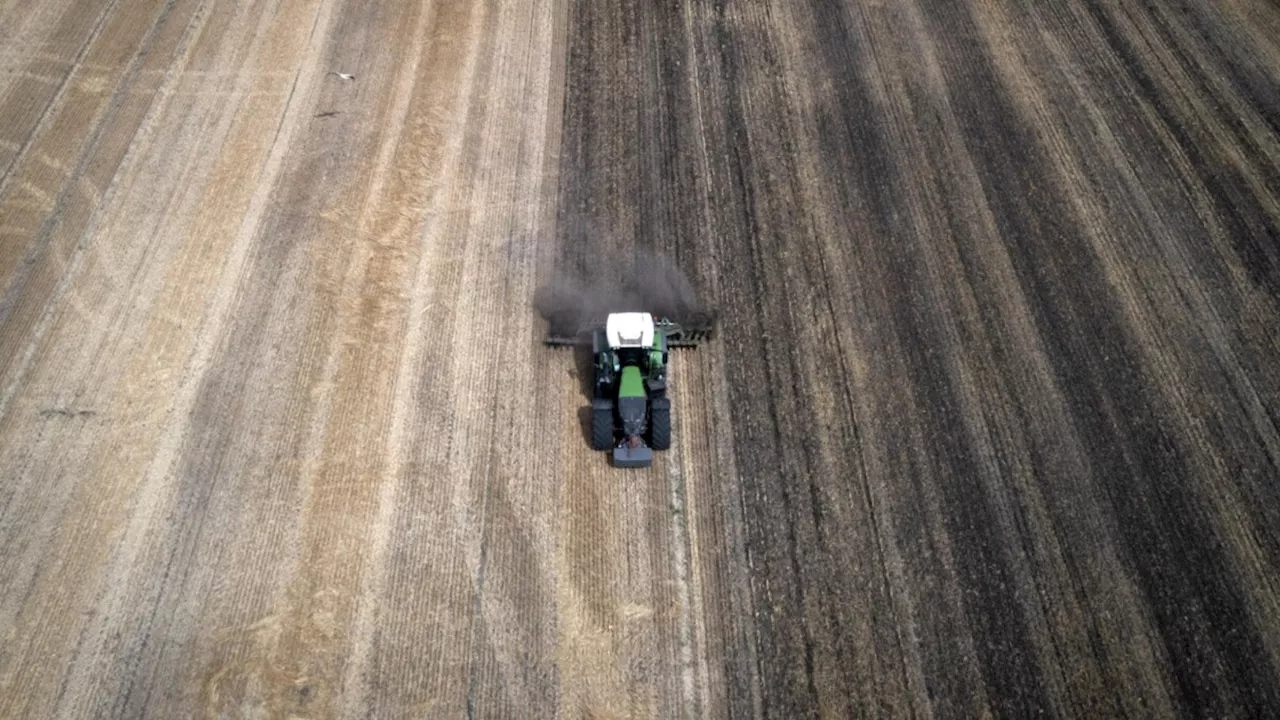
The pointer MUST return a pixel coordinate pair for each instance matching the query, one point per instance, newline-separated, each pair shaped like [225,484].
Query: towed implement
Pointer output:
[630,410]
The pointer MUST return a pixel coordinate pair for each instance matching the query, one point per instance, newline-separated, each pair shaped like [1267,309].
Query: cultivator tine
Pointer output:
[565,340]
[679,336]
[557,337]
[687,340]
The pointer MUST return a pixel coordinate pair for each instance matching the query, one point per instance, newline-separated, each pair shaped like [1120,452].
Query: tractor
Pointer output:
[630,410]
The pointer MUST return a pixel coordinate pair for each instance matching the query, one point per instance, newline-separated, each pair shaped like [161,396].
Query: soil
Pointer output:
[990,424]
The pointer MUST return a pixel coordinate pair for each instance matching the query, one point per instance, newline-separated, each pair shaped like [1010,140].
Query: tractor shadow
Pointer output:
[585,372]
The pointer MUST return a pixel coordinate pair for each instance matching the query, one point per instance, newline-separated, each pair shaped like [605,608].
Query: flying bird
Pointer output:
[344,76]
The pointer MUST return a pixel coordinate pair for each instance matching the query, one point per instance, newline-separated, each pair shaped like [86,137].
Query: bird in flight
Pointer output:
[342,75]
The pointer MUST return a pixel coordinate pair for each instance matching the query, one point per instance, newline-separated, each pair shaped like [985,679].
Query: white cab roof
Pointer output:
[633,329]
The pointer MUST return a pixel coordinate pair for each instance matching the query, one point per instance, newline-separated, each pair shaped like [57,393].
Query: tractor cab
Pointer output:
[635,341]
[629,330]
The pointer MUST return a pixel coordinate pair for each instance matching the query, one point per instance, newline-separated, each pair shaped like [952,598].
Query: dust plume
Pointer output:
[650,284]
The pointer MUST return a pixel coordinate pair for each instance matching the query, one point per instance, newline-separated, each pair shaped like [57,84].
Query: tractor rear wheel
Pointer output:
[660,423]
[602,423]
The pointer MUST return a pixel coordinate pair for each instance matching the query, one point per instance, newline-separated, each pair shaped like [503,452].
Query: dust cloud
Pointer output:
[569,303]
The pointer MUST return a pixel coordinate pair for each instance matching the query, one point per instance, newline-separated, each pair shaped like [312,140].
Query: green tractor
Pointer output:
[630,410]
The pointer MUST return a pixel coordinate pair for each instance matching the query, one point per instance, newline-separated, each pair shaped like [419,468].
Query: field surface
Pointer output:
[991,425]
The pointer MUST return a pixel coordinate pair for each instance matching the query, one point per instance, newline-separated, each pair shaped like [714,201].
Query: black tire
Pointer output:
[660,423]
[602,424]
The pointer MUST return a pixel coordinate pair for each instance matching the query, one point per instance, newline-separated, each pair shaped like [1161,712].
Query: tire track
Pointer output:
[28,111]
[155,550]
[39,278]
[97,512]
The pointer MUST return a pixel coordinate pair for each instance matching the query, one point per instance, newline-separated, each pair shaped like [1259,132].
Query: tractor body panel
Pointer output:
[625,456]
[632,385]
[632,413]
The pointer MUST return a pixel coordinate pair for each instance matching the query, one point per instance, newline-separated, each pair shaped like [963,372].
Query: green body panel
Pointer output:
[632,385]
[655,355]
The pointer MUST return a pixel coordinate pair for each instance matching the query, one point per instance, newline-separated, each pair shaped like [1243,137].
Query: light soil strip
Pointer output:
[125,455]
[39,278]
[339,456]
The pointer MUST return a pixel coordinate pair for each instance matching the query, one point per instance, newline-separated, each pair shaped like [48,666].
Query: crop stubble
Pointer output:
[990,425]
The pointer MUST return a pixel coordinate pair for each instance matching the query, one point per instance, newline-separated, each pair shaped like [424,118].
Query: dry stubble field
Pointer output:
[991,425]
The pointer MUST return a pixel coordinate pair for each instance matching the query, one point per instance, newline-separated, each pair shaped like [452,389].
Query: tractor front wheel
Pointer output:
[602,424]
[660,423]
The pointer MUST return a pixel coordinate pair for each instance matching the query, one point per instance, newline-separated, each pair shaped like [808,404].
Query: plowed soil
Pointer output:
[991,425]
